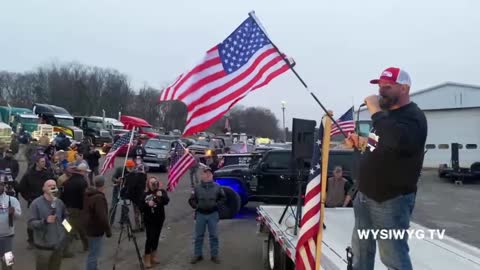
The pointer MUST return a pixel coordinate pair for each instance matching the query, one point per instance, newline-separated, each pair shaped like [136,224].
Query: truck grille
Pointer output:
[104,133]
[78,135]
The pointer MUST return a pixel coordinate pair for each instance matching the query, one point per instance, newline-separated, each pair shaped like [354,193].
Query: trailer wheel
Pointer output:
[271,258]
[232,204]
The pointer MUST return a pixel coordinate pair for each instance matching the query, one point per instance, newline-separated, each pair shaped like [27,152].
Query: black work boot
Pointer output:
[196,259]
[215,259]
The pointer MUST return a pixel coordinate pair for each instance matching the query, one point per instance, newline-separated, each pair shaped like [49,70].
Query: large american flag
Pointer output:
[181,161]
[345,122]
[245,61]
[120,144]
[309,224]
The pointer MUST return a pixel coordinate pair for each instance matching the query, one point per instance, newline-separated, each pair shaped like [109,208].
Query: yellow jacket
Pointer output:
[71,155]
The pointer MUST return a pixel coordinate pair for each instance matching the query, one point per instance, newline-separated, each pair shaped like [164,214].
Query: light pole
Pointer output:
[284,128]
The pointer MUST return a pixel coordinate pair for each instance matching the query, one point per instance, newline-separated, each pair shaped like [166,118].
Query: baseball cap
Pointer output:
[393,75]
[130,163]
[83,167]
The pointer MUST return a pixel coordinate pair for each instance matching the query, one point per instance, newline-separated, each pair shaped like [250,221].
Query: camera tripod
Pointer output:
[125,223]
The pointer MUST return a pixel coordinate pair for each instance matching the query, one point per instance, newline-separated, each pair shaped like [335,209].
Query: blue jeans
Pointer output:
[202,222]
[391,214]
[94,249]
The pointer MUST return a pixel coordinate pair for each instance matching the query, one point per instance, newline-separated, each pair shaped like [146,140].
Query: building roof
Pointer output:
[438,86]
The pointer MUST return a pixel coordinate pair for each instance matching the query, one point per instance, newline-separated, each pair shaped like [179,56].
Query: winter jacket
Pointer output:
[93,159]
[134,186]
[155,214]
[73,191]
[95,211]
[31,184]
[206,197]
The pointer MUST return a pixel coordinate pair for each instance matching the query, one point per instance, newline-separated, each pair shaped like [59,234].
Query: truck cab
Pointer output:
[93,129]
[59,118]
[19,118]
[139,124]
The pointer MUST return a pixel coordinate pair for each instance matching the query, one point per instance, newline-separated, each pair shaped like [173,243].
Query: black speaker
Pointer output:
[303,136]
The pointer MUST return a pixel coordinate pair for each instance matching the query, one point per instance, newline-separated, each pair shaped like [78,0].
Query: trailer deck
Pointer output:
[426,254]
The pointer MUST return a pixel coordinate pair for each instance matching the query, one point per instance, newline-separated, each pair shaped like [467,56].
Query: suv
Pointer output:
[268,177]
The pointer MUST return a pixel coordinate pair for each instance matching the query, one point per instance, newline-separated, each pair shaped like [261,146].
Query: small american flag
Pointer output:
[345,122]
[245,61]
[121,143]
[181,161]
[309,224]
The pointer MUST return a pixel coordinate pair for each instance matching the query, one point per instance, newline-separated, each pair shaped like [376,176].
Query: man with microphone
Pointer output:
[389,168]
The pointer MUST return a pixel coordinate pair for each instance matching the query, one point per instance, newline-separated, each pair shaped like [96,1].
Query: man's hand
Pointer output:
[151,203]
[51,219]
[355,141]
[373,104]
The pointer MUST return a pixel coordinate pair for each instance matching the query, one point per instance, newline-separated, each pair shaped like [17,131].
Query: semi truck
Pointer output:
[93,130]
[59,118]
[19,118]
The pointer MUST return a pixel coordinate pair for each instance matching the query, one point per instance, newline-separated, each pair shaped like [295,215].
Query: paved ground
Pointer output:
[440,204]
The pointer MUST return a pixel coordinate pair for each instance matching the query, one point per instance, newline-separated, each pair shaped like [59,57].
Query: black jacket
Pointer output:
[31,184]
[73,191]
[156,214]
[10,163]
[93,159]
[134,186]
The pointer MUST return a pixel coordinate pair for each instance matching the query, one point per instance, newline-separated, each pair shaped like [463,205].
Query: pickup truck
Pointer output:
[268,177]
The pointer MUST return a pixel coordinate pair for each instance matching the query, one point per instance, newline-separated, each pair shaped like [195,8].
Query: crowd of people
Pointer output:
[65,197]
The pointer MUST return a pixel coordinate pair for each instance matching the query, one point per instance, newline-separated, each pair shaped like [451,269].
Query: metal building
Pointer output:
[453,115]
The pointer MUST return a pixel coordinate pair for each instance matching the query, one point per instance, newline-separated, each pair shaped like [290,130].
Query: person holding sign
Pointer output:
[48,222]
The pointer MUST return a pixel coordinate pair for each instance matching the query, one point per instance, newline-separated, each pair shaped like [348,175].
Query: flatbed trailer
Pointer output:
[426,254]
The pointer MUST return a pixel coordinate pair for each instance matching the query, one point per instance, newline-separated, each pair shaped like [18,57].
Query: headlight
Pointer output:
[209,153]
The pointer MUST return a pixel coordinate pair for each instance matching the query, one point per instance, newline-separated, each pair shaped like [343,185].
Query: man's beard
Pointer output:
[387,102]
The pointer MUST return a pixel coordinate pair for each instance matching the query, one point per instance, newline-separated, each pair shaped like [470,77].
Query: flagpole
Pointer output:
[254,17]
[325,154]
[126,155]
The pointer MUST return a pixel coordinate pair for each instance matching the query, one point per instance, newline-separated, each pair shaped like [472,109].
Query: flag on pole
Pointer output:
[245,61]
[345,122]
[120,144]
[181,161]
[309,224]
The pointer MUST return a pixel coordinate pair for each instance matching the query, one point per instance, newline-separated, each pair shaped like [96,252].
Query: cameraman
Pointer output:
[153,207]
[132,190]
[9,210]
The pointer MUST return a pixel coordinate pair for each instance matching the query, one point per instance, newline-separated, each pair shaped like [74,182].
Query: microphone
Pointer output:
[362,105]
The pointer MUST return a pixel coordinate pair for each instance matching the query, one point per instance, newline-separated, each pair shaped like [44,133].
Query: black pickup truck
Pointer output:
[268,177]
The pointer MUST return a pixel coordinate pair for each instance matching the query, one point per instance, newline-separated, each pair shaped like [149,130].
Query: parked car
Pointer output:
[158,154]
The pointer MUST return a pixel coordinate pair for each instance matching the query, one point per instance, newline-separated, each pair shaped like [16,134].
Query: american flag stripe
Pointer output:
[346,123]
[229,71]
[309,225]
[182,160]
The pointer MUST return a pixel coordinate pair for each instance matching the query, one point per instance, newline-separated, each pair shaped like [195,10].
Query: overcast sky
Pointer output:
[338,45]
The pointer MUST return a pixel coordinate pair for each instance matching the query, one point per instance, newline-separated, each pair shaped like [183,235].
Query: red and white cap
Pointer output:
[393,75]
